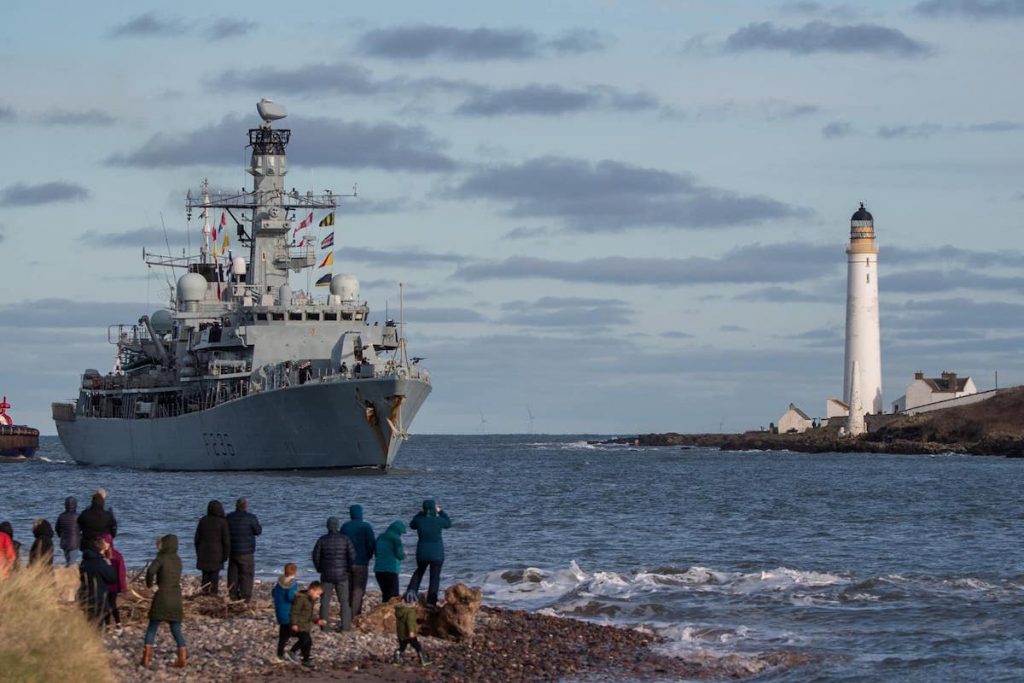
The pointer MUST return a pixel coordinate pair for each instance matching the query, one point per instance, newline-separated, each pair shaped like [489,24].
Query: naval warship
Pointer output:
[240,372]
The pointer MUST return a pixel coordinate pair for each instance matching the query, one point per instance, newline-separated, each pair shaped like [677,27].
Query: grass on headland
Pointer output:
[42,640]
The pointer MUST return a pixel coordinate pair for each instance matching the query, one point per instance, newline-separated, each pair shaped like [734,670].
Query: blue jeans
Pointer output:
[175,631]
[435,578]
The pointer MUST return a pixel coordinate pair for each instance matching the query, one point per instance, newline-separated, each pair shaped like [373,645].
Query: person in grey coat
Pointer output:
[333,557]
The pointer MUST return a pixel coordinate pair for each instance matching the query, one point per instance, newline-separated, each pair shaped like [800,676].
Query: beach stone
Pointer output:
[454,619]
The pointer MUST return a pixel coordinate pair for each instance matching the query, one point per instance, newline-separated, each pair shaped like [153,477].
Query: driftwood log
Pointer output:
[453,619]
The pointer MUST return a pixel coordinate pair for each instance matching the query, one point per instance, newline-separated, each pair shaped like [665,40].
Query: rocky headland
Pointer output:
[991,427]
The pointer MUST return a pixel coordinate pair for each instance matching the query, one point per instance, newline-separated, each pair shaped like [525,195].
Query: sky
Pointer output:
[614,217]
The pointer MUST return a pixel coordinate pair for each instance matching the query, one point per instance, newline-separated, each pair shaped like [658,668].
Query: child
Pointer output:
[302,622]
[405,626]
[284,595]
[121,585]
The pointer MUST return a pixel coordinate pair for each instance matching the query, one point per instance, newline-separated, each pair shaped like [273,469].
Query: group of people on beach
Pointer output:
[341,556]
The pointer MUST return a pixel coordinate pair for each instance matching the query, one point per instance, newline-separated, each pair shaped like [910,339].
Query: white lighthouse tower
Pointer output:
[863,341]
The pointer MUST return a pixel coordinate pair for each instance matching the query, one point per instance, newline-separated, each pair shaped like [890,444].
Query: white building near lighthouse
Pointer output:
[863,338]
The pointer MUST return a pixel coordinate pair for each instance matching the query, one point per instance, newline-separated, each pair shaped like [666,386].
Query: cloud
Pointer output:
[90,117]
[755,263]
[524,233]
[935,315]
[552,100]
[56,312]
[315,142]
[732,328]
[818,9]
[22,194]
[948,254]
[150,25]
[995,127]
[915,131]
[7,114]
[822,36]
[425,41]
[406,258]
[566,312]
[972,9]
[340,77]
[837,129]
[229,27]
[443,315]
[789,295]
[362,206]
[934,281]
[674,334]
[611,196]
[130,239]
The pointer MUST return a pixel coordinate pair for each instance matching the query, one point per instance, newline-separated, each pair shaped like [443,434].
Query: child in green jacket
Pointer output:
[405,627]
[302,622]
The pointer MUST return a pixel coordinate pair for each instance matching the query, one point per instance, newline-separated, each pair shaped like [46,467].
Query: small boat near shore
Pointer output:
[16,441]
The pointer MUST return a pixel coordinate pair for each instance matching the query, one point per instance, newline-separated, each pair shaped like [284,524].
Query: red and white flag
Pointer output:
[306,222]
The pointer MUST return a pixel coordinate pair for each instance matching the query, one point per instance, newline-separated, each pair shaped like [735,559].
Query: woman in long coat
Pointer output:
[165,574]
[213,545]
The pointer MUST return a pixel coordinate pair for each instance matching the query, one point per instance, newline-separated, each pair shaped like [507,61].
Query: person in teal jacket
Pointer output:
[390,554]
[429,523]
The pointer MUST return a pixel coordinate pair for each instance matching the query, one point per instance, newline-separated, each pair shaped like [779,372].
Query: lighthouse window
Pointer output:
[867,260]
[869,278]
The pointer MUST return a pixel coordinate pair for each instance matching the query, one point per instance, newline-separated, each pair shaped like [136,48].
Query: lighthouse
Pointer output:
[863,341]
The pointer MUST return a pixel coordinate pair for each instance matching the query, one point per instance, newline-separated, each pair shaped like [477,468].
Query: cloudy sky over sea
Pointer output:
[619,216]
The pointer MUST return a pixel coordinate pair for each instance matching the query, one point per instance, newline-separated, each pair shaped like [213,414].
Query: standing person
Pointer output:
[6,554]
[244,527]
[95,576]
[165,573]
[6,528]
[405,629]
[283,594]
[361,534]
[333,557]
[69,533]
[41,551]
[96,521]
[119,586]
[428,524]
[213,546]
[390,554]
[302,622]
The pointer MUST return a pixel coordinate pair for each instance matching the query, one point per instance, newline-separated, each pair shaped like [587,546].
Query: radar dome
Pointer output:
[191,287]
[270,110]
[346,286]
[162,321]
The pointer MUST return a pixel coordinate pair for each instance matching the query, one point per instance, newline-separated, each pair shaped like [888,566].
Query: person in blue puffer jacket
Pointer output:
[429,523]
[362,537]
[284,595]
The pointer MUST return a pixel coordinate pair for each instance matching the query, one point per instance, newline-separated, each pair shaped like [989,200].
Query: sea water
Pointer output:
[873,567]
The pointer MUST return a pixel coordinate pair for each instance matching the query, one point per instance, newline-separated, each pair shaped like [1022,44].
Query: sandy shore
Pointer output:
[231,642]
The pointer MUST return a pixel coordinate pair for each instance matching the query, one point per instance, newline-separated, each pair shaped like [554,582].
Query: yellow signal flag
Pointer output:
[327,220]
[328,260]
[225,244]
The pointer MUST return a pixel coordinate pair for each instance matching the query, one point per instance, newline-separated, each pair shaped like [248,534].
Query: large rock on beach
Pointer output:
[454,619]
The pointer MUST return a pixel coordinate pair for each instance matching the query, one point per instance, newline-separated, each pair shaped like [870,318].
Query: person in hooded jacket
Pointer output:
[283,594]
[6,528]
[95,574]
[69,533]
[333,557]
[244,528]
[41,552]
[389,554]
[119,586]
[361,535]
[213,546]
[165,573]
[96,521]
[428,523]
[6,554]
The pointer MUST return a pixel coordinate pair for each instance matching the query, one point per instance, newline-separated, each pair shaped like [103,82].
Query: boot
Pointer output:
[147,656]
[182,659]
[396,658]
[423,657]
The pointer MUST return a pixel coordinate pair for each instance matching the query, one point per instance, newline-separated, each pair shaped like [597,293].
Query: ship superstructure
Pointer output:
[242,372]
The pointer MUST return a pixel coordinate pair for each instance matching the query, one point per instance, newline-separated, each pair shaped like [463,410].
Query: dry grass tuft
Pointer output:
[42,640]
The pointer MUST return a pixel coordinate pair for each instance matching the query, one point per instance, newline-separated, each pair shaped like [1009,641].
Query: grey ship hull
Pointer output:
[316,425]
